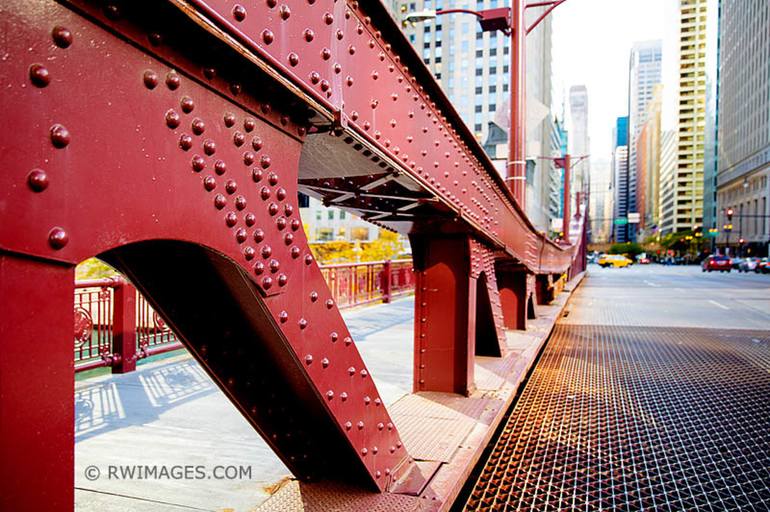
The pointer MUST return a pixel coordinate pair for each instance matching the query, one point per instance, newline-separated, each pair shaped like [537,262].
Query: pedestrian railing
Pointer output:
[115,326]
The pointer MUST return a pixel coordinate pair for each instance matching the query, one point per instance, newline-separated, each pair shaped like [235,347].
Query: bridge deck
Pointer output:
[629,410]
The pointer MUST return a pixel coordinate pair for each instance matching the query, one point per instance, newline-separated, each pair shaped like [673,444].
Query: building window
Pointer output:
[359,233]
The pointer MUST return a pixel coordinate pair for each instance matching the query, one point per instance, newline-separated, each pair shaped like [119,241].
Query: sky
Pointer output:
[592,41]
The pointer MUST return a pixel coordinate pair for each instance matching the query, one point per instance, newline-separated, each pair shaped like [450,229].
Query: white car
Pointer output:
[748,265]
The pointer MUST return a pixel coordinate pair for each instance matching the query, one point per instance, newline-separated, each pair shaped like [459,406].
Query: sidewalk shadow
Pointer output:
[138,397]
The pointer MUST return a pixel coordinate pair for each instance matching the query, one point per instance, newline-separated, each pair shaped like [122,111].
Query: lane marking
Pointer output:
[718,304]
[652,284]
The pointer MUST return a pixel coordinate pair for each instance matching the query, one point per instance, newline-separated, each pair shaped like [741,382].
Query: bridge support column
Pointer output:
[514,296]
[37,378]
[457,312]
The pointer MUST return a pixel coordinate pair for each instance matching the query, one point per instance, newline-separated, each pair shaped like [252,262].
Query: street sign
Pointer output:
[633,218]
[621,221]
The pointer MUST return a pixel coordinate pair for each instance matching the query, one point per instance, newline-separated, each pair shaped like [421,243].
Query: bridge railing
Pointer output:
[105,308]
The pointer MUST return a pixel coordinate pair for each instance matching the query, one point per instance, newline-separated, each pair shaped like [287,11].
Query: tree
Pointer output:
[630,249]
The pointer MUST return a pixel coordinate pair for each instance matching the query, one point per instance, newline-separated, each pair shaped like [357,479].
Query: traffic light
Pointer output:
[729,213]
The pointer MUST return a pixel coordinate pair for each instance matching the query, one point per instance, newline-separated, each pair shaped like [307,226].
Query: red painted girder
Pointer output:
[350,61]
[108,146]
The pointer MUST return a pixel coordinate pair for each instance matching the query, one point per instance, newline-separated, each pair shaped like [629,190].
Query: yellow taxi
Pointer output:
[614,260]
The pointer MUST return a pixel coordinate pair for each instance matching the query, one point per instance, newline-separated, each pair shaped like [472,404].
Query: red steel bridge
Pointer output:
[177,134]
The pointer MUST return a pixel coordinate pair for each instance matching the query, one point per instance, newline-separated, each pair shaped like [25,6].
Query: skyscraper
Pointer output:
[743,178]
[644,72]
[473,68]
[580,142]
[620,180]
[648,165]
[686,210]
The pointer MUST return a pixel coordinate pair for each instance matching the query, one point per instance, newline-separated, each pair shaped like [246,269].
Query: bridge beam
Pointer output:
[37,377]
[515,287]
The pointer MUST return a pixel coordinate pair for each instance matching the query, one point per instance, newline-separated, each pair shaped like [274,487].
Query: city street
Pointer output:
[651,394]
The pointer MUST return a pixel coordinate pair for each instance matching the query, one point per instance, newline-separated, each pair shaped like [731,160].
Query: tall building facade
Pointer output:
[473,68]
[668,163]
[644,73]
[600,206]
[648,166]
[743,167]
[580,142]
[686,212]
[620,182]
[619,185]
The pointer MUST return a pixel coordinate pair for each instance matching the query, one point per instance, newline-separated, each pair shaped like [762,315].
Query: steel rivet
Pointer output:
[37,180]
[308,359]
[231,186]
[249,253]
[198,164]
[185,142]
[264,193]
[256,175]
[240,235]
[295,224]
[256,143]
[326,54]
[288,238]
[328,18]
[259,268]
[58,238]
[238,139]
[280,194]
[295,252]
[173,80]
[39,75]
[209,147]
[351,371]
[267,36]
[239,12]
[309,35]
[220,201]
[308,259]
[62,37]
[229,119]
[302,323]
[250,219]
[240,202]
[198,126]
[248,158]
[60,136]
[282,279]
[283,317]
[313,296]
[333,337]
[367,400]
[259,235]
[150,79]
[272,209]
[267,282]
[343,396]
[266,251]
[209,183]
[231,219]
[360,425]
[280,223]
[330,394]
[348,425]
[329,303]
[235,88]
[288,209]
[348,340]
[293,59]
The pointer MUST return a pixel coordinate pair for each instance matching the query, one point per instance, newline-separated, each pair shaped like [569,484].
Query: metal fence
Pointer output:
[115,326]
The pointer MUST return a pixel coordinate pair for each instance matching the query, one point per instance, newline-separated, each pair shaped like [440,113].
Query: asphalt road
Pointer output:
[672,296]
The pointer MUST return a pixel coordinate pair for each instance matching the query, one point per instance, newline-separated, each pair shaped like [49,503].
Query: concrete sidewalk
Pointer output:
[170,413]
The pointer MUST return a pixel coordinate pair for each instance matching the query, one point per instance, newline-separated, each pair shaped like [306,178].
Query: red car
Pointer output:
[717,262]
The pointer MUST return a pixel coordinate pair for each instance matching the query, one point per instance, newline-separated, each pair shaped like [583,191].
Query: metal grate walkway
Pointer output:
[632,418]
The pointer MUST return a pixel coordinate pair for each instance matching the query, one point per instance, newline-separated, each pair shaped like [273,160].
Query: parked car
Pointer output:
[644,260]
[736,263]
[614,260]
[748,265]
[763,266]
[716,262]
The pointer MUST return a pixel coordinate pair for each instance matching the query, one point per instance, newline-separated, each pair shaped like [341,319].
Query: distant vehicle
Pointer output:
[763,266]
[736,263]
[644,260]
[716,262]
[614,260]
[748,265]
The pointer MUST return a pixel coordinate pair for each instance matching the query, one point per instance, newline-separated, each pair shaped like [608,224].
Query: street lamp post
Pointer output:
[510,21]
